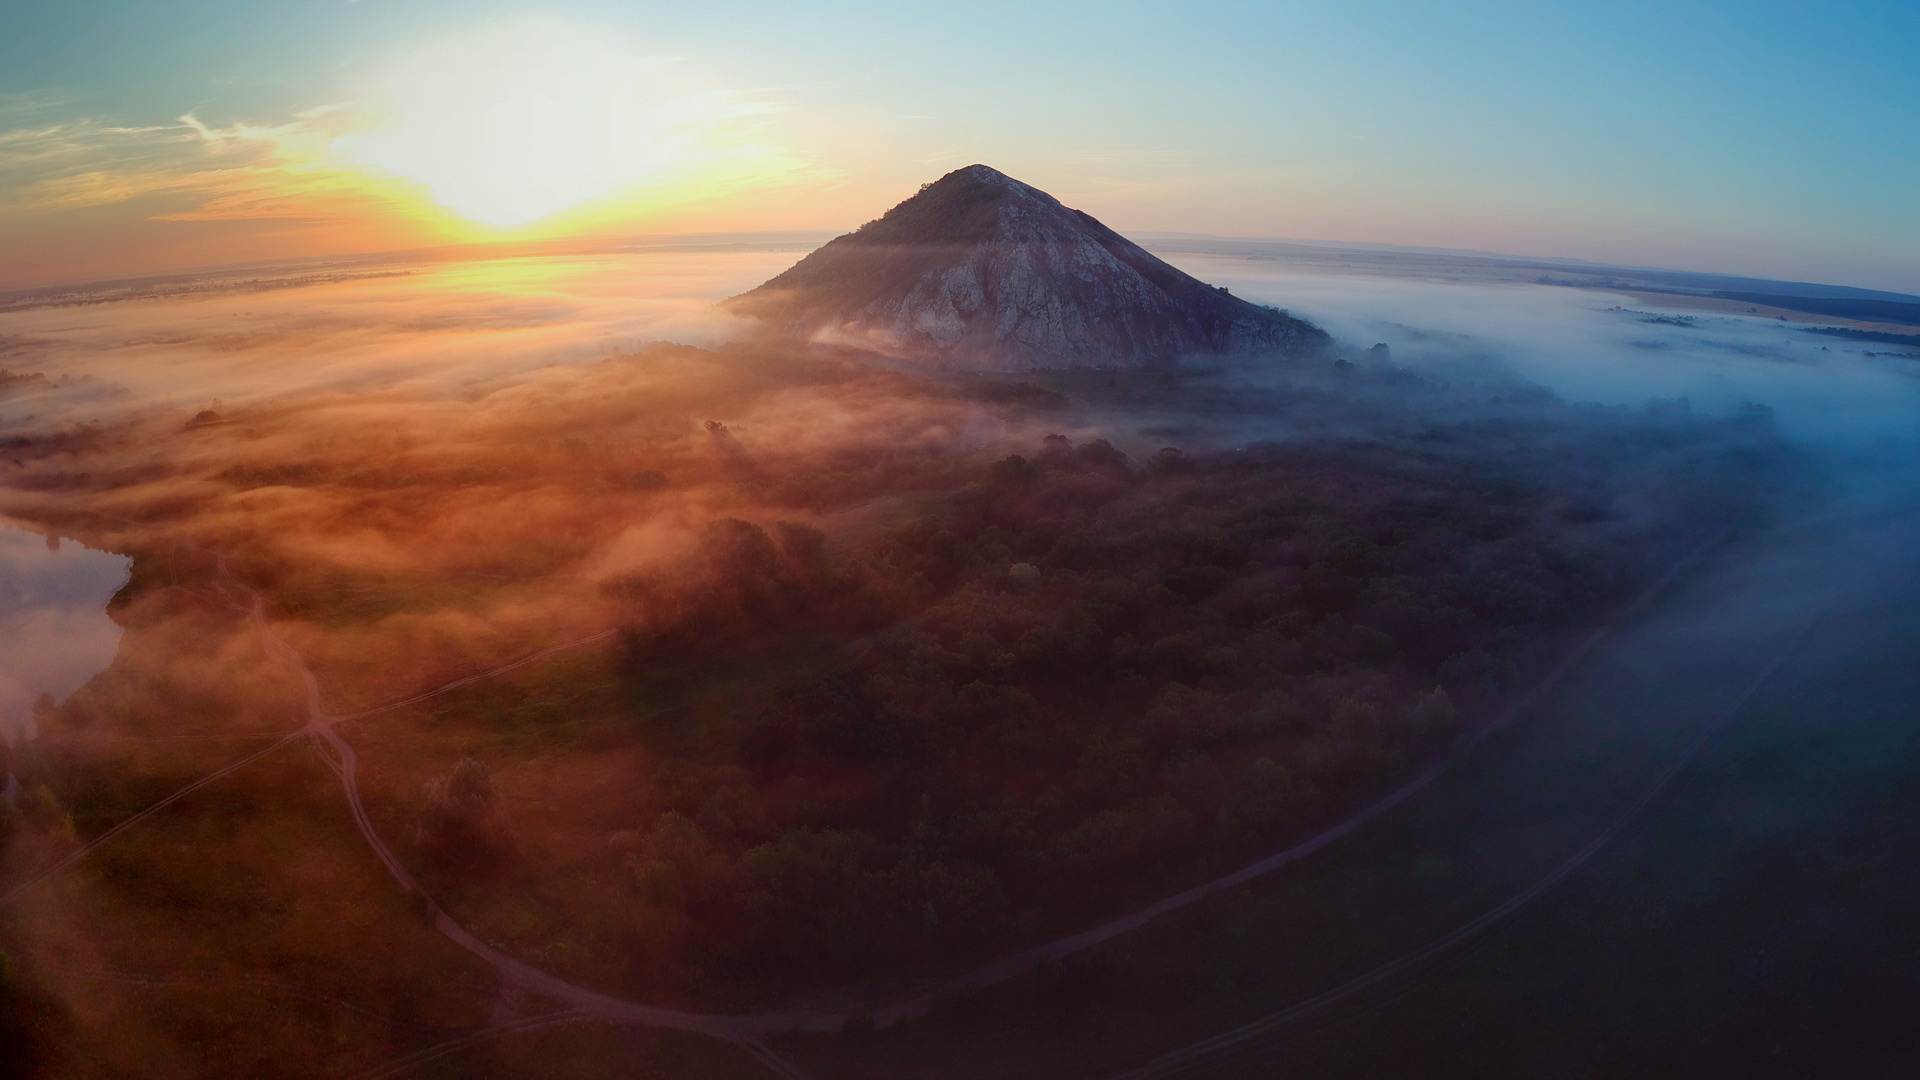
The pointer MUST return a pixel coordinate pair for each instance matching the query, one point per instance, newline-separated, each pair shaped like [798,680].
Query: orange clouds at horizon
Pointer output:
[529,132]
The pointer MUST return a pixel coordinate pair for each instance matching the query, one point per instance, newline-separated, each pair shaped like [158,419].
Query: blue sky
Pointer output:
[1774,139]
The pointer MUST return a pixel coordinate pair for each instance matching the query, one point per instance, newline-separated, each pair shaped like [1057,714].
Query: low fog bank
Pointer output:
[436,325]
[1610,348]
[867,672]
[876,654]
[1850,410]
[442,326]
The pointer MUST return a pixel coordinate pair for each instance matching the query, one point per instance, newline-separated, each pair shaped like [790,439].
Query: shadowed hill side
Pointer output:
[983,272]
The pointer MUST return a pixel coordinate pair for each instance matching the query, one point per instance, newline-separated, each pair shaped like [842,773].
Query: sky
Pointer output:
[1778,140]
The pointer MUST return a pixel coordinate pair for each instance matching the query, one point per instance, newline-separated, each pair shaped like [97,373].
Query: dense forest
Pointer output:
[1079,679]
[897,679]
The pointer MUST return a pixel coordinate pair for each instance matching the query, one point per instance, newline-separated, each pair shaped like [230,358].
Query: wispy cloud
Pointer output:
[353,163]
[85,162]
[16,106]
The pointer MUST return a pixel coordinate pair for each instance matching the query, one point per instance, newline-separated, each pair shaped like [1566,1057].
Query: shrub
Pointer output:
[457,825]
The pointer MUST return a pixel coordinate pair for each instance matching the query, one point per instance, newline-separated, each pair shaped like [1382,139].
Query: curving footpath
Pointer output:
[1203,1057]
[747,1030]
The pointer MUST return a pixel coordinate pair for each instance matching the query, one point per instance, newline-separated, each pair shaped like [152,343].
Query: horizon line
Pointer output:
[804,240]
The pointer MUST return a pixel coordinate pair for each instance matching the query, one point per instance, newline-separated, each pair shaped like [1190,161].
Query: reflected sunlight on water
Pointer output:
[54,629]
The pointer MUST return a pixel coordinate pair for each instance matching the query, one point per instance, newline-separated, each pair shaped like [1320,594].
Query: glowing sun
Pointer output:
[516,124]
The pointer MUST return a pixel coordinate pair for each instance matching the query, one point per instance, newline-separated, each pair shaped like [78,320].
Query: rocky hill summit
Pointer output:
[982,272]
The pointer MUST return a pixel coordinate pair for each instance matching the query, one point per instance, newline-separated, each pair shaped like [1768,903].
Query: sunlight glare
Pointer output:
[516,124]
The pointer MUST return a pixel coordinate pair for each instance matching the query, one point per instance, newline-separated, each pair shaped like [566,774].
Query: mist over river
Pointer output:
[54,630]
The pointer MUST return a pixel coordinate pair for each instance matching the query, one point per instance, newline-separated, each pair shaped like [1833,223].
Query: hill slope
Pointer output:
[981,271]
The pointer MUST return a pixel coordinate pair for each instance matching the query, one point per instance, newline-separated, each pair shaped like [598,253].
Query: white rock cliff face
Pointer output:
[980,271]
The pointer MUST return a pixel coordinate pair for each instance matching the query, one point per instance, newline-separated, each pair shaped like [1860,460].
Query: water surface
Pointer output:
[54,629]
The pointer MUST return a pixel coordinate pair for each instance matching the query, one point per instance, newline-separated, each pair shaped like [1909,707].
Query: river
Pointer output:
[54,630]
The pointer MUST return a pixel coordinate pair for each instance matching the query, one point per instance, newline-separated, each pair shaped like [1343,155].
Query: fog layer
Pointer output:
[1612,348]
[710,676]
